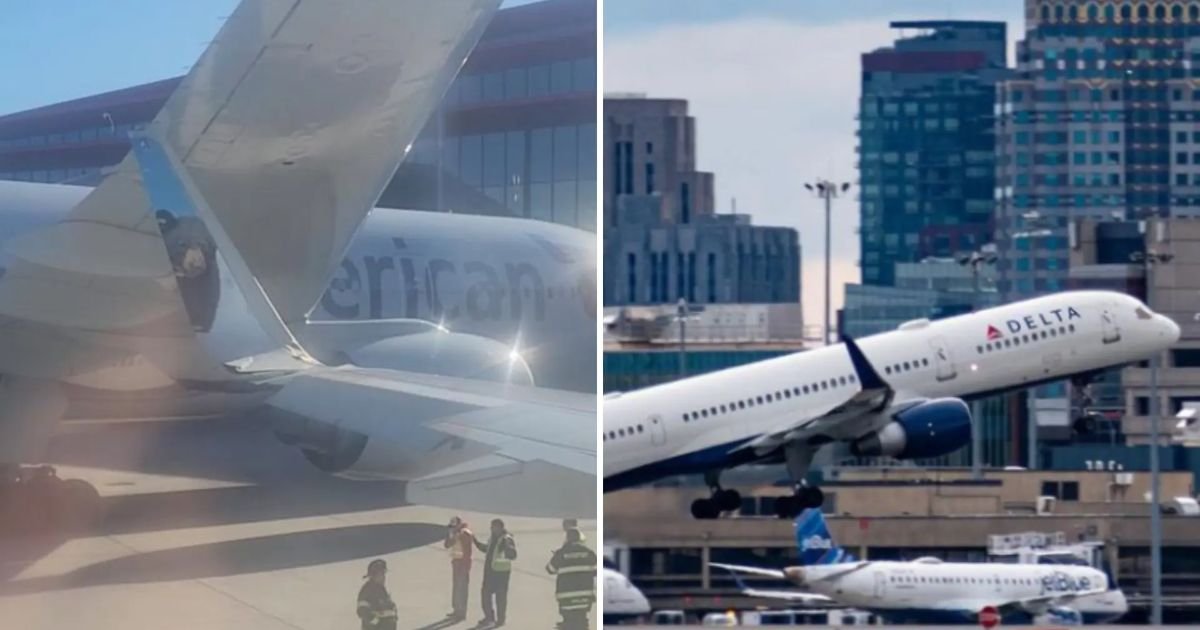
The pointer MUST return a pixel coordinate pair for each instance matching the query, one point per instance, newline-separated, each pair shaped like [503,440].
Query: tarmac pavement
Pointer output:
[214,524]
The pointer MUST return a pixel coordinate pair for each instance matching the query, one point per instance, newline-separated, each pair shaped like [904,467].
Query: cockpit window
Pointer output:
[1142,313]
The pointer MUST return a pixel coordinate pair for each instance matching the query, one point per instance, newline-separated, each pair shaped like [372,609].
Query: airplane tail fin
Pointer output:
[814,541]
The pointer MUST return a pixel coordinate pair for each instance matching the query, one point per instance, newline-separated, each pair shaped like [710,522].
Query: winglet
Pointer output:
[229,312]
[868,377]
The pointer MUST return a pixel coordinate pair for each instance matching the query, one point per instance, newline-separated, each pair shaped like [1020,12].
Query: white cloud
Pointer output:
[775,104]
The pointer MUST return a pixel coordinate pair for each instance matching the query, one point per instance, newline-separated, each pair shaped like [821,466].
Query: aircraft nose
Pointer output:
[1170,329]
[795,574]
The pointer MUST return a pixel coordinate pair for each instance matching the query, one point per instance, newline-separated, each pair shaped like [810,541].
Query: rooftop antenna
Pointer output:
[733,205]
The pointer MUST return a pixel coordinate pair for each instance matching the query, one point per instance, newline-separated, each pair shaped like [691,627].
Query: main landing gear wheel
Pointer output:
[35,501]
[721,500]
[805,497]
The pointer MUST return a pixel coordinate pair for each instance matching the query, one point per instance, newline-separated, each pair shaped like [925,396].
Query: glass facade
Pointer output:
[515,135]
[627,370]
[546,173]
[926,155]
[1097,121]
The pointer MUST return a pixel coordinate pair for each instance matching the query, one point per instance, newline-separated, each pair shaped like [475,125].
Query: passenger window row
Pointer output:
[626,432]
[771,397]
[906,366]
[1027,338]
[910,579]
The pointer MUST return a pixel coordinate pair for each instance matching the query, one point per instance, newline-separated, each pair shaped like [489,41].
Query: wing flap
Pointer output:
[531,451]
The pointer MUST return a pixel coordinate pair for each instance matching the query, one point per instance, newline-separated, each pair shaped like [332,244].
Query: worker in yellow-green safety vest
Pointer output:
[575,566]
[501,550]
[375,606]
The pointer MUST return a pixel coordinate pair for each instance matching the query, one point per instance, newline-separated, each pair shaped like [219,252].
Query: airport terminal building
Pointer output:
[515,136]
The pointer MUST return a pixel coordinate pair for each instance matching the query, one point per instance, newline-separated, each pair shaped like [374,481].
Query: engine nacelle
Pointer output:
[415,346]
[351,454]
[930,429]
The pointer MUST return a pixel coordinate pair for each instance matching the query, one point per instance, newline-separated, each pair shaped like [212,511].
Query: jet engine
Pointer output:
[929,429]
[411,345]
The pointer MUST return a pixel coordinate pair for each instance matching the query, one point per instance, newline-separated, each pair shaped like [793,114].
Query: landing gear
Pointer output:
[1086,422]
[35,500]
[721,500]
[798,457]
[805,497]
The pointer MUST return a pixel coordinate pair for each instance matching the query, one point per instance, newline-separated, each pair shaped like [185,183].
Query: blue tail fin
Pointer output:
[814,541]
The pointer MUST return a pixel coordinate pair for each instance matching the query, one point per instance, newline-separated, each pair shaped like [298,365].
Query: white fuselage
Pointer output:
[926,588]
[524,283]
[687,426]
[621,597]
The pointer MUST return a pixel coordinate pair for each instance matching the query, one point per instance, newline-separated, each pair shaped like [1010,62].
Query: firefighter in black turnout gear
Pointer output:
[501,550]
[575,566]
[375,606]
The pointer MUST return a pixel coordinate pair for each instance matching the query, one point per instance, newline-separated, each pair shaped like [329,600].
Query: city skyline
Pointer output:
[751,129]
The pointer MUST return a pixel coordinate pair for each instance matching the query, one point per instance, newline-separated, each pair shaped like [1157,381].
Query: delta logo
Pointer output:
[1036,321]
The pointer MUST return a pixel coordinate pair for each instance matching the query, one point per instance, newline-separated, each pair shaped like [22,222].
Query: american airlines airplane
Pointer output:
[898,394]
[506,283]
[203,263]
[928,590]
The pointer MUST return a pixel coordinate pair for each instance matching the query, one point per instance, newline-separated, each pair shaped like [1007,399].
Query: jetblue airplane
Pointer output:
[622,600]
[202,266]
[898,394]
[928,590]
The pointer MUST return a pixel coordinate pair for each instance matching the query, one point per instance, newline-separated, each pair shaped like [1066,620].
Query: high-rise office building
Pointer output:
[927,146]
[663,240]
[1100,119]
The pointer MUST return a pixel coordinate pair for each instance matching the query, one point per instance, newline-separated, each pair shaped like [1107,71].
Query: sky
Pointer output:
[774,88]
[56,50]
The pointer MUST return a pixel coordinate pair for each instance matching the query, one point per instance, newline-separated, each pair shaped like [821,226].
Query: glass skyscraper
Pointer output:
[927,150]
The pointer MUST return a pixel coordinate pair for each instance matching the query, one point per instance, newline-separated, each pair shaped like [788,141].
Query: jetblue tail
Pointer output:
[815,542]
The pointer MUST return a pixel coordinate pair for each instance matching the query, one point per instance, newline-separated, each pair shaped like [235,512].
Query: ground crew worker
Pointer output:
[575,566]
[375,606]
[459,541]
[501,550]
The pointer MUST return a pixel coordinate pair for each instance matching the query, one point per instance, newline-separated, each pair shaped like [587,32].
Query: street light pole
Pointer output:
[1036,226]
[681,317]
[983,256]
[827,190]
[1149,261]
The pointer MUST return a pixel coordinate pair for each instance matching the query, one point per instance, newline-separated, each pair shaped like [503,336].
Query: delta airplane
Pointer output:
[622,600]
[898,394]
[202,264]
[928,590]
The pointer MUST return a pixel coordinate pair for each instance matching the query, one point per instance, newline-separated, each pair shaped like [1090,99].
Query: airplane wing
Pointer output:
[788,596]
[874,396]
[737,568]
[290,126]
[1039,605]
[511,449]
[485,445]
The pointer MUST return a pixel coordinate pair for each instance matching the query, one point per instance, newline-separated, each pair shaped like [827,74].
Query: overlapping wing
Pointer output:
[530,451]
